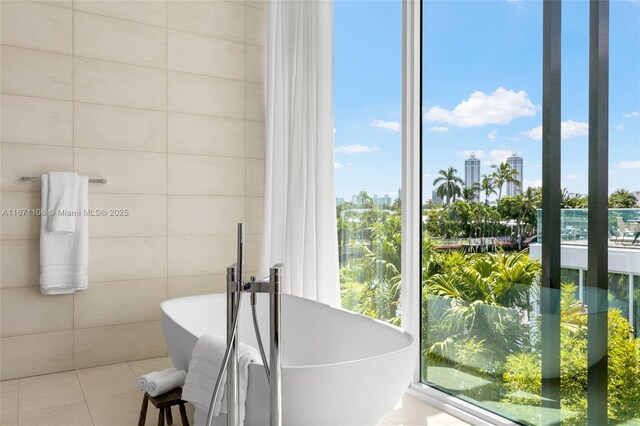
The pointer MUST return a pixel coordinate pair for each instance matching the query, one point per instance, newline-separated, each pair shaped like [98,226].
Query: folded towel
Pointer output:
[143,380]
[62,198]
[205,364]
[64,256]
[164,383]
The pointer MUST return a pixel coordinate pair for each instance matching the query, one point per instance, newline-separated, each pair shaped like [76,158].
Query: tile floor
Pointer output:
[109,396]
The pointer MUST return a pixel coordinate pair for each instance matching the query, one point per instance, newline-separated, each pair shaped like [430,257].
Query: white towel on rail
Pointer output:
[205,364]
[64,256]
[62,198]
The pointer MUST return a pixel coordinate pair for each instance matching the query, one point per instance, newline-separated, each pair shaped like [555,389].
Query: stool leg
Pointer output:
[143,411]
[161,417]
[169,416]
[183,415]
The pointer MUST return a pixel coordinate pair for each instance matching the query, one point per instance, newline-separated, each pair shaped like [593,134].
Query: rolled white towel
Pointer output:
[143,381]
[166,382]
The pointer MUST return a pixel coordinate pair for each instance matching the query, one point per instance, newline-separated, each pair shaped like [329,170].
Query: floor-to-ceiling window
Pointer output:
[522,103]
[367,135]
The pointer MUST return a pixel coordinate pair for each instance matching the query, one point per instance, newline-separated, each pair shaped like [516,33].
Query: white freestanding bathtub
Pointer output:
[338,368]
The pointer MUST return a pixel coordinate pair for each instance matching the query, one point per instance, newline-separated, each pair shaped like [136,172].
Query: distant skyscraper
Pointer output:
[515,161]
[435,198]
[472,172]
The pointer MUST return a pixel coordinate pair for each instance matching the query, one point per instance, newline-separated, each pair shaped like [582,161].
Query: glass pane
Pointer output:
[624,214]
[368,150]
[482,82]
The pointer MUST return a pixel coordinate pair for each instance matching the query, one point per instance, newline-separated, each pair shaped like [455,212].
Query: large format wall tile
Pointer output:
[152,12]
[134,258]
[214,18]
[36,26]
[35,73]
[202,175]
[37,121]
[119,302]
[33,354]
[202,135]
[255,177]
[196,94]
[198,54]
[155,96]
[204,215]
[254,215]
[197,284]
[125,171]
[121,41]
[256,26]
[255,102]
[255,64]
[15,226]
[101,126]
[128,215]
[118,343]
[46,313]
[201,255]
[255,139]
[20,264]
[32,160]
[111,83]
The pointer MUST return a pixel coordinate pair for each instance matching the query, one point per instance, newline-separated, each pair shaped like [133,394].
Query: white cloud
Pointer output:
[526,183]
[492,135]
[631,114]
[497,156]
[349,164]
[499,107]
[353,149]
[568,130]
[337,165]
[571,177]
[439,129]
[376,148]
[635,164]
[620,126]
[393,126]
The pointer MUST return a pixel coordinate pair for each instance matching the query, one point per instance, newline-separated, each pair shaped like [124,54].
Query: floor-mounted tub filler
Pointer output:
[336,367]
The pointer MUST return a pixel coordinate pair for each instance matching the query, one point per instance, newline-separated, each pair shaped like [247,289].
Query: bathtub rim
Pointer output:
[411,338]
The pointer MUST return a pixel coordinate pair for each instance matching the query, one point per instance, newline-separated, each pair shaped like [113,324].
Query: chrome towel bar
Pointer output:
[34,178]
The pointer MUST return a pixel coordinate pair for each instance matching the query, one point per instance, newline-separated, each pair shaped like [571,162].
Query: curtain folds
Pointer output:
[299,224]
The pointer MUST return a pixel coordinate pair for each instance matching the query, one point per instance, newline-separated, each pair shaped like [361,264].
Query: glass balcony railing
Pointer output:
[624,227]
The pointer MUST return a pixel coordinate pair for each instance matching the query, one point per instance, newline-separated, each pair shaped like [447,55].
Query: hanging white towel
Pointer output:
[64,256]
[62,199]
[205,364]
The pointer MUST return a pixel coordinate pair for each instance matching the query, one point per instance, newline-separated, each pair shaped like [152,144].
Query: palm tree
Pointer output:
[503,174]
[488,187]
[449,184]
[469,194]
[529,202]
[622,199]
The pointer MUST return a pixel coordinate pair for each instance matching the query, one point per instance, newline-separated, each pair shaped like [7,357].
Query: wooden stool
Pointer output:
[164,403]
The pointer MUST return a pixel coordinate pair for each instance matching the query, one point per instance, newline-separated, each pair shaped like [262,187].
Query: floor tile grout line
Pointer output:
[84,395]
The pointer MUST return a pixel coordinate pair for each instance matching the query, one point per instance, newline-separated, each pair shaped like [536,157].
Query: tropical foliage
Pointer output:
[522,376]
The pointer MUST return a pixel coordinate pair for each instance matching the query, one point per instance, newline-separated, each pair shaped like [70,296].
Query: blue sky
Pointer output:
[482,74]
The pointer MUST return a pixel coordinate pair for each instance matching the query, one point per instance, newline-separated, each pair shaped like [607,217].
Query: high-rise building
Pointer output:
[472,173]
[515,161]
[435,198]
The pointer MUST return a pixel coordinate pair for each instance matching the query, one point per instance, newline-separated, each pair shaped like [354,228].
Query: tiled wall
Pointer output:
[165,100]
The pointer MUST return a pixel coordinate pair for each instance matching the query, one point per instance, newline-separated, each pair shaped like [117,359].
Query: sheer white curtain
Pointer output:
[299,201]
